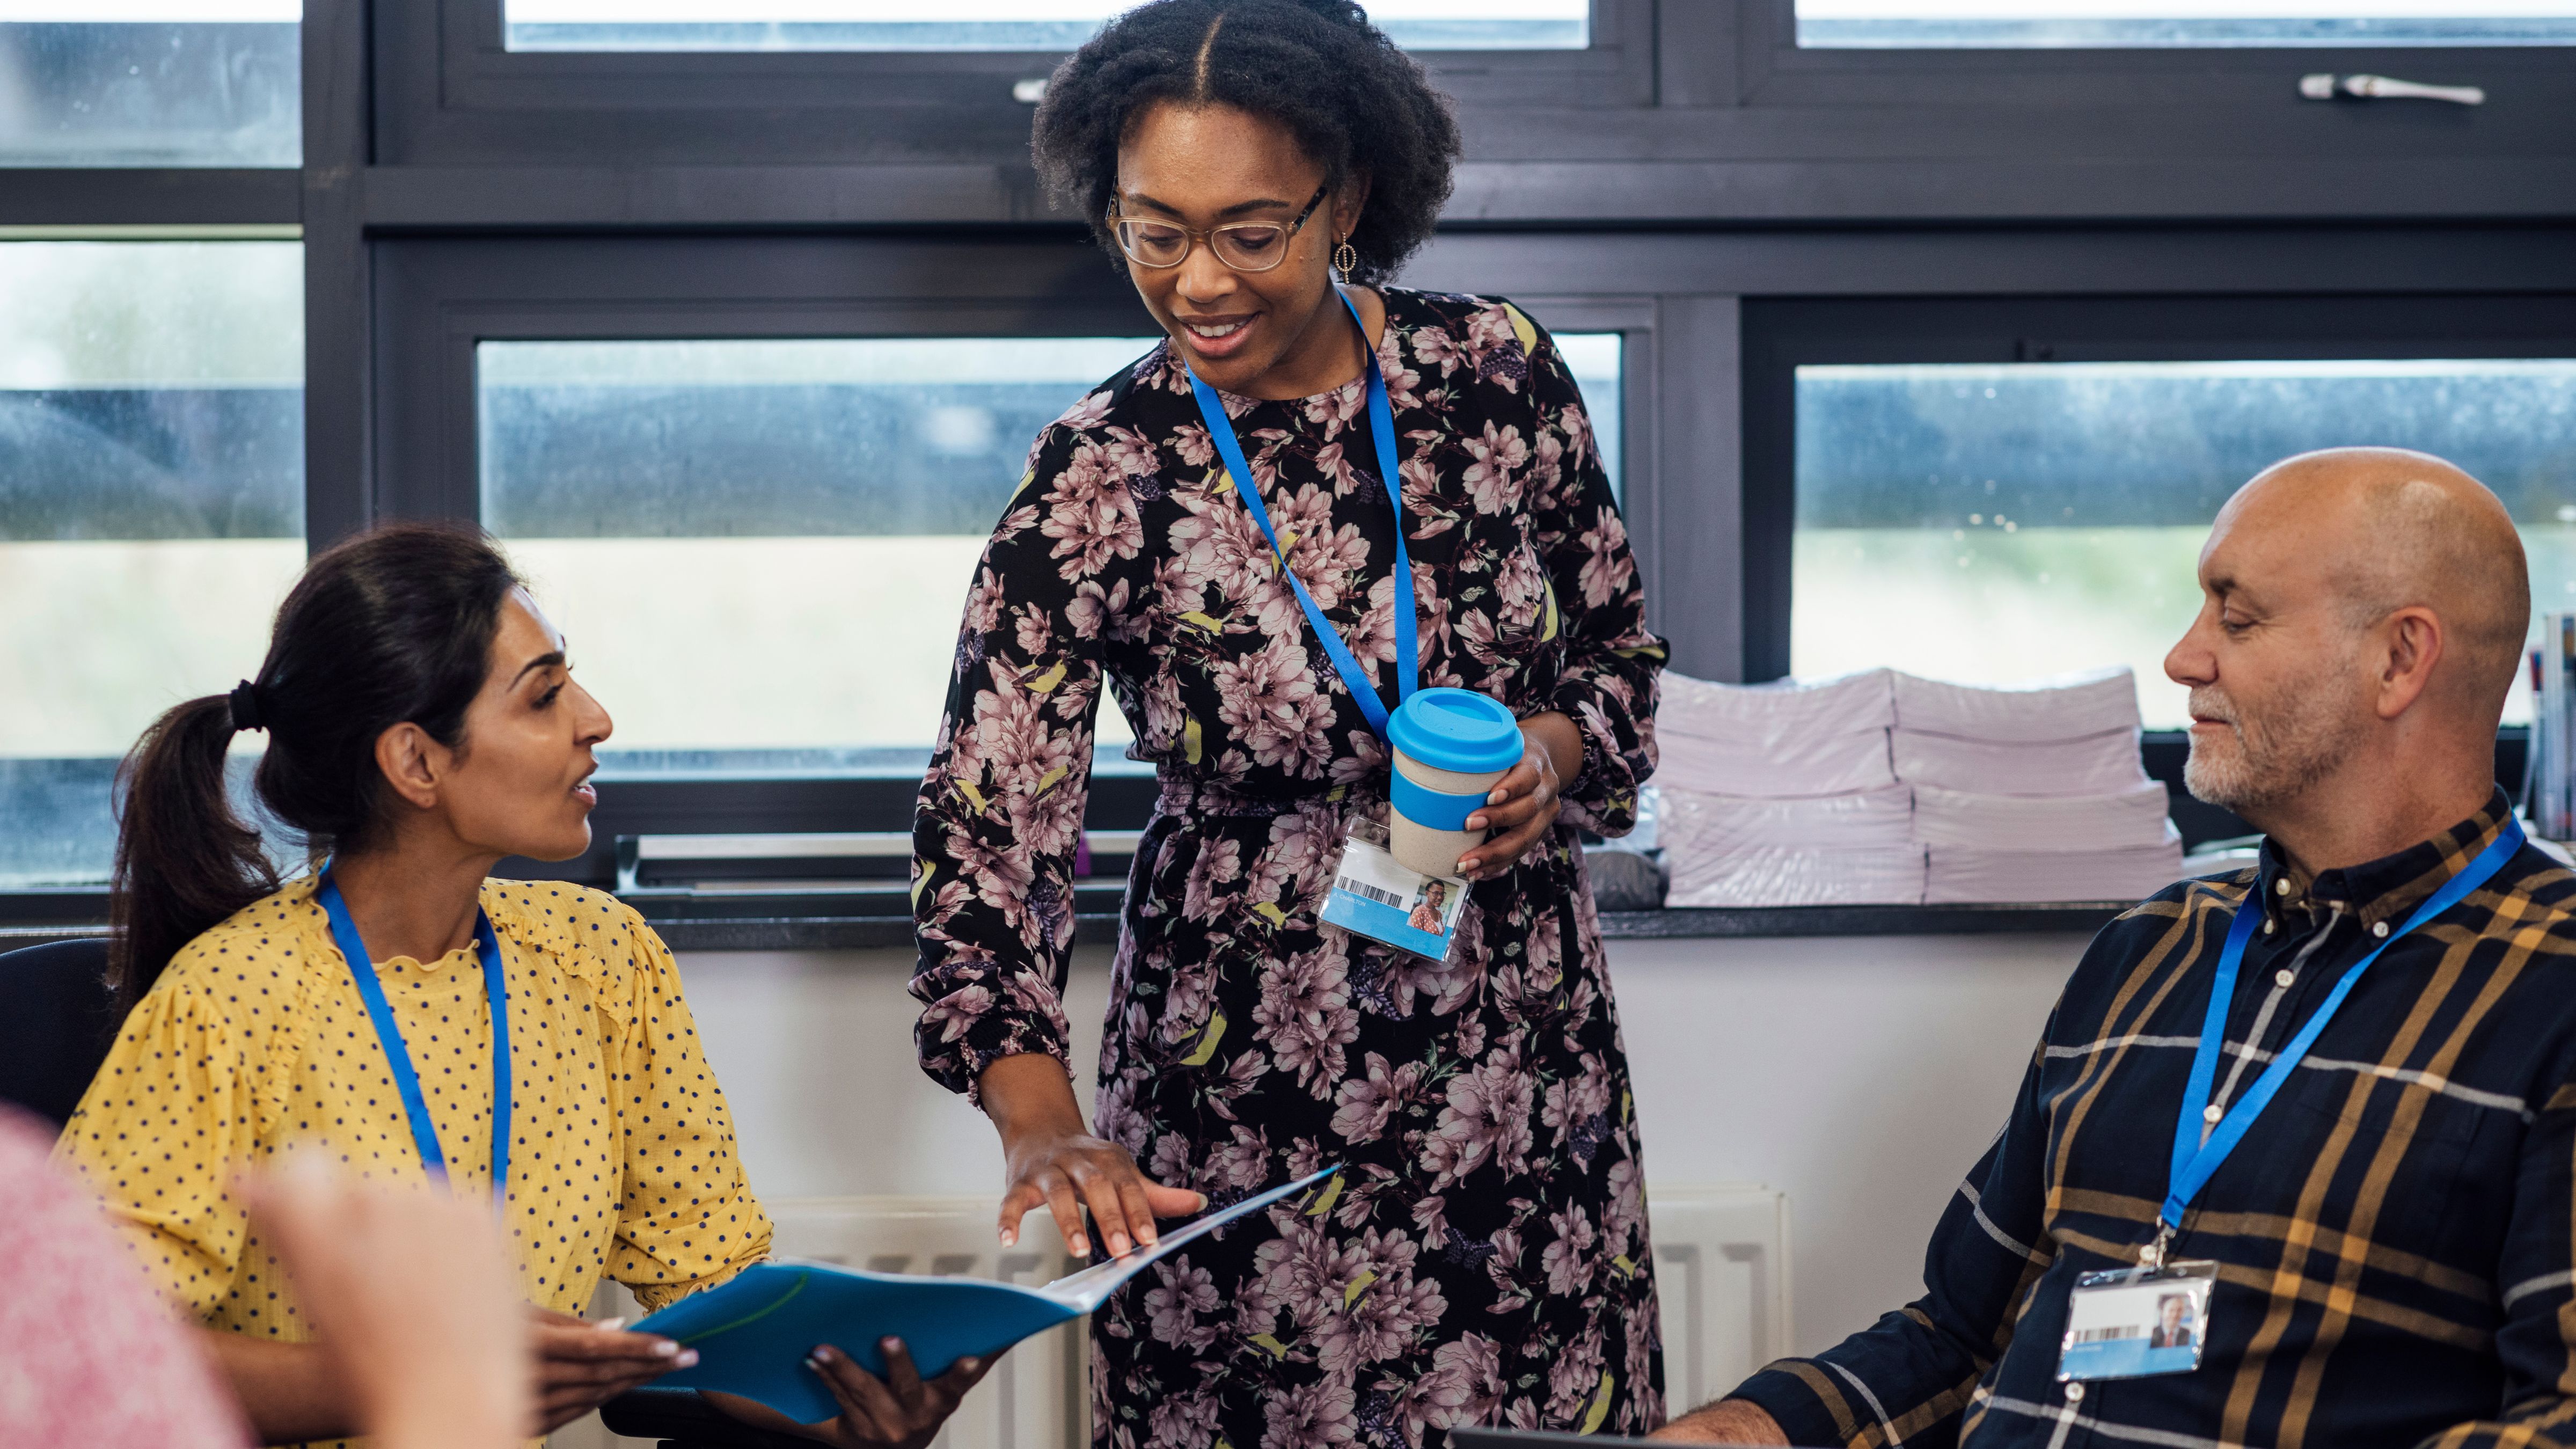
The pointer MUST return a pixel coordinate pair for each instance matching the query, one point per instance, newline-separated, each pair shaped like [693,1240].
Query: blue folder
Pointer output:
[753,1333]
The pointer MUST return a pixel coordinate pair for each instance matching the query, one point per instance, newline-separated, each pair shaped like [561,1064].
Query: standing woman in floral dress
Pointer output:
[1482,1259]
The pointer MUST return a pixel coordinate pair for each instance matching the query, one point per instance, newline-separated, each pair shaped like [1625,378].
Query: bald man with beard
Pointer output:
[2392,1235]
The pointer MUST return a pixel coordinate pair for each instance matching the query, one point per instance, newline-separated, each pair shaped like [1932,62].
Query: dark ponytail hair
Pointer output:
[1357,104]
[393,626]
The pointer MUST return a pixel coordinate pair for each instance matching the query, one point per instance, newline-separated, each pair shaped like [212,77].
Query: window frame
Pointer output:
[1751,127]
[436,298]
[1778,71]
[1696,310]
[147,204]
[1782,334]
[1785,334]
[1680,188]
[450,93]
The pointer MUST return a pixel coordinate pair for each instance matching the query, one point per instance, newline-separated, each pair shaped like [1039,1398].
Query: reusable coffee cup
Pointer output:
[1451,746]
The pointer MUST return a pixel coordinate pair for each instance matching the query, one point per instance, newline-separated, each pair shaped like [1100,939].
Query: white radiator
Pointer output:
[1721,1264]
[1722,1271]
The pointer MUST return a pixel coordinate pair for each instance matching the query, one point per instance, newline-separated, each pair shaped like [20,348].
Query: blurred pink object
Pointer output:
[89,1356]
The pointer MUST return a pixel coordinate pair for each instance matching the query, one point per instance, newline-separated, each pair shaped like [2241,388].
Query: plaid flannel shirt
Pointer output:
[2396,1236]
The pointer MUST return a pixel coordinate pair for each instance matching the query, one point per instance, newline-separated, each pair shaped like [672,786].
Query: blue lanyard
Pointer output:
[2194,1161]
[362,969]
[1408,669]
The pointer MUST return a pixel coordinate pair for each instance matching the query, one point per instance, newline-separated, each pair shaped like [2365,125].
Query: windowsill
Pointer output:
[747,922]
[786,932]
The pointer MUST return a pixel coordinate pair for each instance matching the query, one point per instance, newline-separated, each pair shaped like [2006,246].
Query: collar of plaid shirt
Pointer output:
[2396,1237]
[2385,889]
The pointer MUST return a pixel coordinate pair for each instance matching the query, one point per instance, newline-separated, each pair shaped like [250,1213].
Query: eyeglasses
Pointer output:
[1246,246]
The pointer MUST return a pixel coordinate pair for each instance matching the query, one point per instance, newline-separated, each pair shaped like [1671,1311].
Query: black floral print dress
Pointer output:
[1483,1258]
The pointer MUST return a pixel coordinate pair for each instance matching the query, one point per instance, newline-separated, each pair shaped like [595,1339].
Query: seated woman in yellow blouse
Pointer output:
[423,724]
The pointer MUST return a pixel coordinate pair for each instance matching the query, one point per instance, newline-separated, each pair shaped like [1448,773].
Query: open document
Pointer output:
[753,1333]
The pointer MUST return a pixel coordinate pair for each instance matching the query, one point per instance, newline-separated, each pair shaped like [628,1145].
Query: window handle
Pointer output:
[2324,86]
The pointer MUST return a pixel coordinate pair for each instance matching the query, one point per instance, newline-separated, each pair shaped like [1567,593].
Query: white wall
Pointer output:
[1861,1076]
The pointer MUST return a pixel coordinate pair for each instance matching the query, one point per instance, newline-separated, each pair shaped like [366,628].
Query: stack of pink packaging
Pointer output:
[1882,788]
[1784,794]
[2033,792]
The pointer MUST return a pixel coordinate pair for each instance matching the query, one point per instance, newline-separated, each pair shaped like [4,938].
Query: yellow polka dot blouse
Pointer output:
[255,1043]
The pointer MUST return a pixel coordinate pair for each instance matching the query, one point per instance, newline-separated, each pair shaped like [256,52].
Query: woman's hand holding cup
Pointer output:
[1524,804]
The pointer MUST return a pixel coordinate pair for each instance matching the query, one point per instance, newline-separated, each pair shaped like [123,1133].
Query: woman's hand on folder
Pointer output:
[1052,1161]
[899,1411]
[582,1365]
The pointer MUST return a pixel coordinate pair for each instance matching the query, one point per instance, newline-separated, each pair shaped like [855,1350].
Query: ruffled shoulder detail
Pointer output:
[1408,308]
[255,971]
[285,917]
[589,933]
[1490,336]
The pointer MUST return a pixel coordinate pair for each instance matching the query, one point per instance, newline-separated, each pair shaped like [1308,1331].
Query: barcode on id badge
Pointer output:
[1366,891]
[2106,1335]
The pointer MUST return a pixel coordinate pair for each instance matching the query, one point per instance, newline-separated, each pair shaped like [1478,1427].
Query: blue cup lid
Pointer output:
[1457,729]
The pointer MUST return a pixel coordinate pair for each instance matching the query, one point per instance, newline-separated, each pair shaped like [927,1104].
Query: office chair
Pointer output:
[57,1019]
[679,1419]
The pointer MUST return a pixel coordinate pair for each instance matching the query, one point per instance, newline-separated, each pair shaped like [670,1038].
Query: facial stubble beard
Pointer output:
[2281,751]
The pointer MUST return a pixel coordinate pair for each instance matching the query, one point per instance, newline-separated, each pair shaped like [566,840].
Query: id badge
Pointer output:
[1375,897]
[2130,1323]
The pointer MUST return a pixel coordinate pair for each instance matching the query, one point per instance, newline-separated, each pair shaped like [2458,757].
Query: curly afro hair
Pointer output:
[1356,104]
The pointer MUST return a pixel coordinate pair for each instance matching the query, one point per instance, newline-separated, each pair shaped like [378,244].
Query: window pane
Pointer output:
[151,509]
[150,83]
[798,520]
[1984,24]
[982,24]
[1594,358]
[1995,522]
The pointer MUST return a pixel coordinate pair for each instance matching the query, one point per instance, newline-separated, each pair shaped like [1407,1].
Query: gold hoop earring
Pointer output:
[1345,260]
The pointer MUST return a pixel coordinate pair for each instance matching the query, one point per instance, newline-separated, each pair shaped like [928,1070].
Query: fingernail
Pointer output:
[666,1348]
[889,1344]
[1118,1245]
[1146,1237]
[1494,799]
[1081,1248]
[1475,822]
[1009,1238]
[609,1325]
[1203,1202]
[814,1361]
[687,1360]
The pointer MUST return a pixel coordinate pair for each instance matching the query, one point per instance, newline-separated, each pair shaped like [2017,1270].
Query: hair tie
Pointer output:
[245,704]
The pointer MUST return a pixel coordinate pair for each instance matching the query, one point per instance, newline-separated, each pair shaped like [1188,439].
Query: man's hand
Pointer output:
[1728,1421]
[581,1366]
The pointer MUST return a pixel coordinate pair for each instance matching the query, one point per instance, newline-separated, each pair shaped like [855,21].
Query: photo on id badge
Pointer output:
[1373,896]
[2133,1322]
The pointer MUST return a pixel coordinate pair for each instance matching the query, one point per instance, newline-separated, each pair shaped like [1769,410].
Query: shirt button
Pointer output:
[2270,926]
[2283,977]
[2281,887]
[2212,1114]
[2074,1393]
[2379,929]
